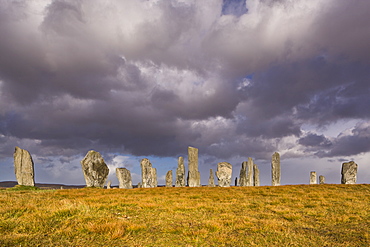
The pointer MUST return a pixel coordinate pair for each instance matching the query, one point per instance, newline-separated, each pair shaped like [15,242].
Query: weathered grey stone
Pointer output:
[194,174]
[223,173]
[243,174]
[23,167]
[124,178]
[169,179]
[180,173]
[313,177]
[256,175]
[211,180]
[94,169]
[349,173]
[321,179]
[246,173]
[139,185]
[109,183]
[155,180]
[148,174]
[275,169]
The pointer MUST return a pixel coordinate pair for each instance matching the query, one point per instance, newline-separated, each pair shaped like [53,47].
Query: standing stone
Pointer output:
[313,177]
[256,175]
[169,179]
[139,185]
[154,175]
[243,174]
[95,170]
[180,173]
[321,179]
[23,167]
[194,174]
[275,169]
[124,178]
[109,183]
[148,174]
[211,180]
[349,173]
[224,171]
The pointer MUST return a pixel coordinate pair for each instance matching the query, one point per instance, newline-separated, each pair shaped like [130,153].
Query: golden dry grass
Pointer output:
[294,215]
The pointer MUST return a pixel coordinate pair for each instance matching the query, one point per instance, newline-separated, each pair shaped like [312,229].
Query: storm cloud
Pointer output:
[149,78]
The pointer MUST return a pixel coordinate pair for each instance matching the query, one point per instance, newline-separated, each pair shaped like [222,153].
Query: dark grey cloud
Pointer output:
[233,78]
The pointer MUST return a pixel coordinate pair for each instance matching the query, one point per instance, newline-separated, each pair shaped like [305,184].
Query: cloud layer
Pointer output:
[142,77]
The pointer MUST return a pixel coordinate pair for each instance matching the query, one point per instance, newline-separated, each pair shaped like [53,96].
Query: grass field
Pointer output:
[293,215]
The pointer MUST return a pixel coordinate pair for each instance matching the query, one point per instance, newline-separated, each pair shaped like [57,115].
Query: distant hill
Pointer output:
[9,184]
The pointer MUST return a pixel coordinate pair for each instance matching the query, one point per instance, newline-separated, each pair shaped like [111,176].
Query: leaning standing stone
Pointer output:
[23,167]
[224,171]
[95,170]
[211,180]
[313,177]
[194,174]
[180,173]
[275,169]
[124,178]
[349,173]
[321,179]
[256,175]
[169,179]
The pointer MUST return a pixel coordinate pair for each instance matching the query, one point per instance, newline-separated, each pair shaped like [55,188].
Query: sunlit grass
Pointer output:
[296,215]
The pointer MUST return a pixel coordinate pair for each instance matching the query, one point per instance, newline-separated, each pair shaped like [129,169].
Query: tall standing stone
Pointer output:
[275,169]
[349,173]
[223,173]
[95,170]
[148,174]
[169,179]
[256,175]
[321,179]
[194,174]
[211,180]
[313,177]
[180,173]
[250,172]
[23,167]
[124,178]
[243,174]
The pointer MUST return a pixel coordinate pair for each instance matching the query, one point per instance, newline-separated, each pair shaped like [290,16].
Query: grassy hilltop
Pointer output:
[293,215]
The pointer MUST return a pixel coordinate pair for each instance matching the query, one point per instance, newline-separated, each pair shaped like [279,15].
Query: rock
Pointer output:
[256,175]
[243,174]
[95,170]
[180,173]
[349,173]
[246,173]
[148,174]
[169,179]
[124,178]
[24,167]
[109,184]
[313,178]
[211,180]
[139,185]
[275,169]
[193,174]
[321,179]
[224,171]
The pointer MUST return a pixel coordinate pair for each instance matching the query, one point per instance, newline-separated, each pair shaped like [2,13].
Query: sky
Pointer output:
[140,79]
